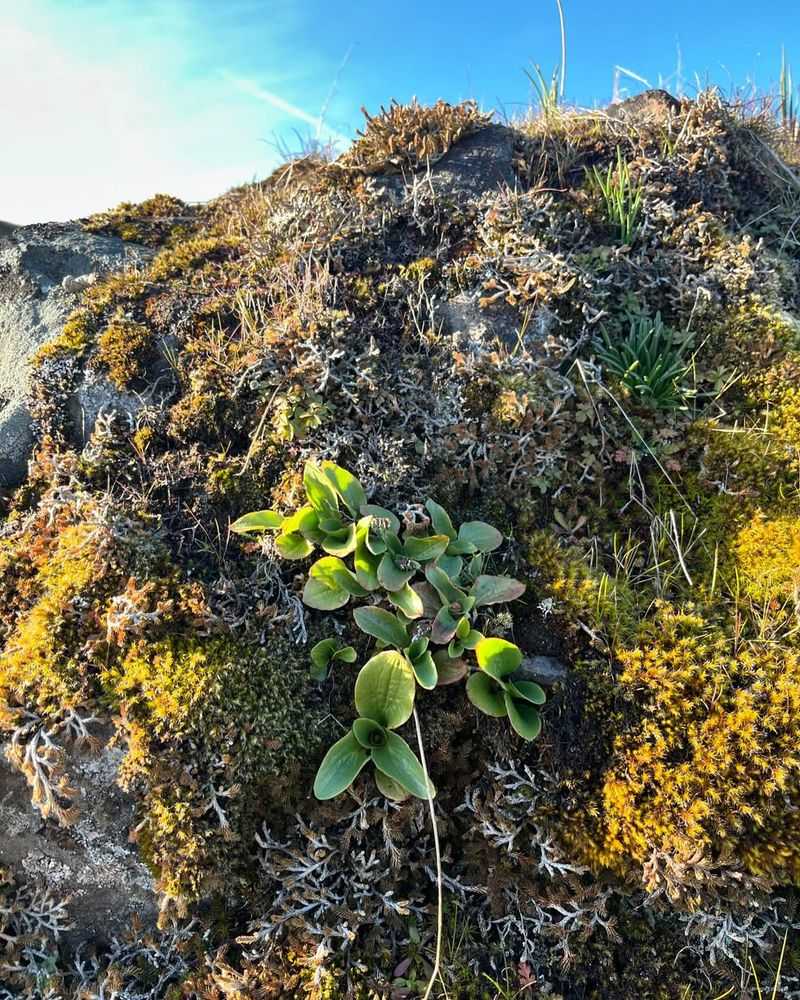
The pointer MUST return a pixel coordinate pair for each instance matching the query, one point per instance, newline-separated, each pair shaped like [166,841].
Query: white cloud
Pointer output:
[105,102]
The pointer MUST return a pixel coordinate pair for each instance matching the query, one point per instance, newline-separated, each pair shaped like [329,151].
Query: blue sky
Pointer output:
[110,100]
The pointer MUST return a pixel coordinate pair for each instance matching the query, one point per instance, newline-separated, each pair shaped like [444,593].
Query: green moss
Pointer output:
[155,222]
[247,713]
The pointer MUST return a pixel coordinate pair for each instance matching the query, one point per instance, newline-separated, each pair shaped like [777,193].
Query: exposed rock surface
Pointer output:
[654,104]
[91,863]
[38,265]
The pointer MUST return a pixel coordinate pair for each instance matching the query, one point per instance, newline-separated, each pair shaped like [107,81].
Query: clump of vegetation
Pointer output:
[621,196]
[155,222]
[435,587]
[646,487]
[648,361]
[410,136]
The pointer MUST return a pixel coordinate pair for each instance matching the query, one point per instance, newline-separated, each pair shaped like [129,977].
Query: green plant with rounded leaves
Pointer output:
[420,586]
[327,652]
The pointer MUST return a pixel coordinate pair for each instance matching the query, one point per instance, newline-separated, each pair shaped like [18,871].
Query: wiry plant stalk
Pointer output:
[437,850]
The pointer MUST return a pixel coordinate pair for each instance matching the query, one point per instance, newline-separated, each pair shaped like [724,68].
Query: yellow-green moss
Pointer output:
[767,556]
[245,711]
[155,222]
[189,255]
[73,339]
[713,759]
[121,349]
[38,667]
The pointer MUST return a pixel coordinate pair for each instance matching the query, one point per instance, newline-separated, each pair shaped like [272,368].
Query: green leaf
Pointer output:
[425,671]
[486,695]
[483,536]
[447,590]
[385,689]
[450,671]
[496,590]
[346,654]
[382,625]
[305,520]
[321,655]
[455,649]
[452,565]
[463,629]
[527,691]
[498,657]
[417,647]
[258,520]
[389,787]
[397,760]
[389,576]
[461,548]
[408,600]
[425,549]
[524,717]
[339,767]
[440,519]
[384,514]
[346,485]
[472,639]
[293,545]
[330,585]
[364,562]
[321,494]
[370,734]
[444,627]
[341,542]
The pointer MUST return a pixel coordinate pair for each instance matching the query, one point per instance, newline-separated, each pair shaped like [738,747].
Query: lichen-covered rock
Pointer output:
[41,267]
[91,864]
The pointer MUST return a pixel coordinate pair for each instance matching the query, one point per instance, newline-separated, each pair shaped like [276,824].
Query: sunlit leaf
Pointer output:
[397,760]
[382,625]
[483,536]
[523,716]
[346,485]
[498,657]
[385,689]
[440,519]
[496,590]
[340,767]
[258,520]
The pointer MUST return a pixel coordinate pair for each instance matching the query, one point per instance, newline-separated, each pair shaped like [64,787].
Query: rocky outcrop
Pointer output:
[91,863]
[42,270]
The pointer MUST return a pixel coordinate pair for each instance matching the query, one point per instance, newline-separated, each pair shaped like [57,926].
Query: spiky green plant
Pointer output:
[648,361]
[621,196]
[788,110]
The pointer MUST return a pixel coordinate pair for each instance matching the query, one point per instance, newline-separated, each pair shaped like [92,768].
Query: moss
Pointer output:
[72,341]
[246,712]
[190,255]
[712,758]
[767,557]
[122,348]
[155,222]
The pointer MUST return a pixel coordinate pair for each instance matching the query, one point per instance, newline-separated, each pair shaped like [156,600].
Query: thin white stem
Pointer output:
[563,49]
[439,916]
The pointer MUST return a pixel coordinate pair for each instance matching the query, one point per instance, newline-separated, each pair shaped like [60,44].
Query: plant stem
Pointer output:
[438,958]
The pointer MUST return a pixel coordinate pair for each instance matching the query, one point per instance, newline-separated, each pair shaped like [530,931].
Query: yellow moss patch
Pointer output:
[73,339]
[189,255]
[713,759]
[767,554]
[121,347]
[37,667]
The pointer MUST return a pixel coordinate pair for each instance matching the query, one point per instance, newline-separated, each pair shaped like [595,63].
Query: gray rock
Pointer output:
[480,163]
[478,329]
[38,266]
[92,865]
[474,166]
[545,670]
[657,105]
